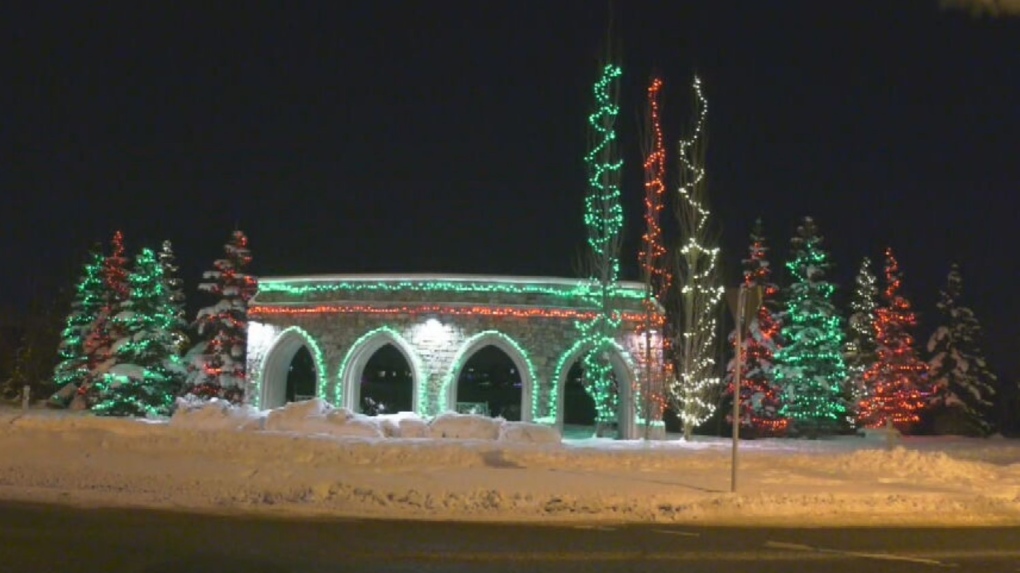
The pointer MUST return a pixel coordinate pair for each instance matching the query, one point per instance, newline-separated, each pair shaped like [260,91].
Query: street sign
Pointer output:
[752,301]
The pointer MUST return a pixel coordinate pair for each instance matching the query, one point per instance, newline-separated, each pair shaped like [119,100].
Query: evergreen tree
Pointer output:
[167,260]
[958,371]
[860,351]
[760,397]
[100,338]
[147,371]
[810,367]
[76,363]
[895,385]
[216,366]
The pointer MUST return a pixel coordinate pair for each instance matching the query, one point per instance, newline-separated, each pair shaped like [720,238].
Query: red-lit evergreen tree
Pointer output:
[654,265]
[896,385]
[760,397]
[100,337]
[217,363]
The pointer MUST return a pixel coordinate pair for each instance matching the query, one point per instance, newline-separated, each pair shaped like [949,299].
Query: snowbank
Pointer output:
[318,417]
[311,458]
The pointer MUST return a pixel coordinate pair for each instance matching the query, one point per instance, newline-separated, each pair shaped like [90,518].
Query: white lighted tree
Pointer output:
[695,391]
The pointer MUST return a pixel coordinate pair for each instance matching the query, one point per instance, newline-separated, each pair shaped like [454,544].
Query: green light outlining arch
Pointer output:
[418,372]
[286,335]
[567,359]
[478,341]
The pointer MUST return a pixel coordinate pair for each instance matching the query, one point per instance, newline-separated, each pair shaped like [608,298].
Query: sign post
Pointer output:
[744,304]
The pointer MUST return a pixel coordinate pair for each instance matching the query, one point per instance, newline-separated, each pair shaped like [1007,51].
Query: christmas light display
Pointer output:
[167,260]
[217,364]
[447,310]
[958,371]
[323,389]
[418,370]
[895,385]
[147,372]
[467,350]
[650,393]
[561,370]
[309,289]
[694,390]
[809,367]
[860,350]
[760,397]
[603,218]
[100,337]
[75,364]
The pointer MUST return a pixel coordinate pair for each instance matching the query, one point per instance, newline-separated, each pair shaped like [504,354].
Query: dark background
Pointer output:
[383,136]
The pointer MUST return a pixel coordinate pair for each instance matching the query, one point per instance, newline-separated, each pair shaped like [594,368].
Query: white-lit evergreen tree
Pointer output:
[860,351]
[168,260]
[147,371]
[216,365]
[958,369]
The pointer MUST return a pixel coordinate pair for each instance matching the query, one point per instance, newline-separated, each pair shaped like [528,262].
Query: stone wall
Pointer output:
[437,323]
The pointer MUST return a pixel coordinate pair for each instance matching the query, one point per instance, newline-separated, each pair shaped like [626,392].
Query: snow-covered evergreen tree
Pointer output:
[216,365]
[167,260]
[896,389]
[147,372]
[958,369]
[75,364]
[809,367]
[860,350]
[100,338]
[760,397]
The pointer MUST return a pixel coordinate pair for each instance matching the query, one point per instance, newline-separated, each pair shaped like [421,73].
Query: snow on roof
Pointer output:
[429,277]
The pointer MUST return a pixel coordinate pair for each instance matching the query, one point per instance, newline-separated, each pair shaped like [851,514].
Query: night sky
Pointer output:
[441,136]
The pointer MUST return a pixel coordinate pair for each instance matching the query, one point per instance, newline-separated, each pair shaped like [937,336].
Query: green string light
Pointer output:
[810,367]
[479,340]
[317,357]
[603,218]
[311,288]
[419,372]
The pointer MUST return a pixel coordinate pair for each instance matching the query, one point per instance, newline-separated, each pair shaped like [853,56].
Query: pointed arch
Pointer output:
[623,366]
[510,347]
[346,390]
[272,391]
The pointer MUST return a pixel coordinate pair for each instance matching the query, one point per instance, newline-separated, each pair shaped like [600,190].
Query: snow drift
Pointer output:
[311,458]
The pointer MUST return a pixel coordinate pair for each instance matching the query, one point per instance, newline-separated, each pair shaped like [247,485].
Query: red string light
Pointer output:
[497,312]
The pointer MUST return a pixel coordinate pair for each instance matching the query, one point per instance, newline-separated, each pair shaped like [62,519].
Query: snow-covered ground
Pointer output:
[309,458]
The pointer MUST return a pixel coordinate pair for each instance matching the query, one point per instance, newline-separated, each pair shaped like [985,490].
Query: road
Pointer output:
[60,539]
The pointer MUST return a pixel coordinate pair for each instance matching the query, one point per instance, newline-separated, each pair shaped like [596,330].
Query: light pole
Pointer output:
[744,303]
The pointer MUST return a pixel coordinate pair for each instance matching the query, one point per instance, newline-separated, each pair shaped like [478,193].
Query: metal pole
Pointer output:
[736,388]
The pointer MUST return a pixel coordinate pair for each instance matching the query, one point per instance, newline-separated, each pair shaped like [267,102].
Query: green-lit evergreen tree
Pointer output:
[75,362]
[147,372]
[810,368]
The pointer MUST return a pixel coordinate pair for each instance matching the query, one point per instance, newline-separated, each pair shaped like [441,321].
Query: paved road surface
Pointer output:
[69,540]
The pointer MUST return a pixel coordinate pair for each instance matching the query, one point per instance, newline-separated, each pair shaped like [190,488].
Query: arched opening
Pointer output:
[291,370]
[576,407]
[387,383]
[301,377]
[490,384]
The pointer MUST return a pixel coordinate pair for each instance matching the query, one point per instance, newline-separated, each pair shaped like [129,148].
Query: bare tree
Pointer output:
[695,391]
[654,265]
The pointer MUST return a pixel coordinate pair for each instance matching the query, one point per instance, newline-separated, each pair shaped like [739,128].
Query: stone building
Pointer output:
[437,322]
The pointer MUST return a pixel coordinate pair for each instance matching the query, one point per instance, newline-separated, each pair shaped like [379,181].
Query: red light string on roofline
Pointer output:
[500,312]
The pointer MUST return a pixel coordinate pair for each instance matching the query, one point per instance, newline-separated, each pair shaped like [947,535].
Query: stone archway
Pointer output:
[508,346]
[277,363]
[623,368]
[348,389]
